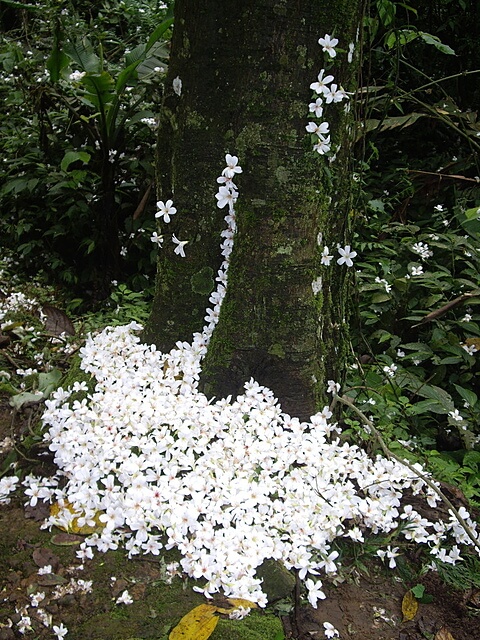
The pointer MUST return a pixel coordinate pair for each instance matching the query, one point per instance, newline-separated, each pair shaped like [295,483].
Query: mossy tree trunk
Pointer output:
[246,68]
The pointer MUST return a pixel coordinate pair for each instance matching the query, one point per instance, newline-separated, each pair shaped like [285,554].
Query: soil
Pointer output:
[366,606]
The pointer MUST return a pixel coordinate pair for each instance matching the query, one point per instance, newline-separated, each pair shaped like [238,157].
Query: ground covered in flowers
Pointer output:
[89,602]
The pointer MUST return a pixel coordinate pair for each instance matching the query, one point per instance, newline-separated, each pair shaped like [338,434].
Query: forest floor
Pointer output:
[366,606]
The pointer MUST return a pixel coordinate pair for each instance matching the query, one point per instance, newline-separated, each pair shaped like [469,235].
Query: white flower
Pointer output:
[328,45]
[351,49]
[330,631]
[239,613]
[314,591]
[36,598]
[455,415]
[232,166]
[400,353]
[316,107]
[320,86]
[333,387]
[334,94]
[390,554]
[326,258]
[44,570]
[177,86]
[317,286]
[179,249]
[323,145]
[416,271]
[76,76]
[165,210]
[125,598]
[156,238]
[225,196]
[422,249]
[471,349]
[466,318]
[60,631]
[318,129]
[390,370]
[346,256]
[388,287]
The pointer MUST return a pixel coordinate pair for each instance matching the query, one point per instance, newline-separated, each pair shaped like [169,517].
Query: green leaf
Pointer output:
[82,53]
[425,406]
[376,205]
[400,38]
[386,11]
[380,297]
[73,156]
[473,213]
[22,5]
[418,591]
[17,401]
[48,382]
[158,33]
[135,55]
[437,43]
[467,395]
[56,63]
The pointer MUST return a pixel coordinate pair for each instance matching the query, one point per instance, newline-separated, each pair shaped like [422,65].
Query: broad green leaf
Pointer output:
[376,205]
[73,156]
[22,5]
[135,55]
[473,213]
[386,11]
[401,38]
[82,53]
[158,33]
[426,406]
[48,382]
[372,124]
[20,399]
[437,43]
[56,63]
[467,395]
[380,297]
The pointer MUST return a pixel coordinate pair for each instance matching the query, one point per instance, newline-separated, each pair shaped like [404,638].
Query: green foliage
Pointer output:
[416,325]
[78,143]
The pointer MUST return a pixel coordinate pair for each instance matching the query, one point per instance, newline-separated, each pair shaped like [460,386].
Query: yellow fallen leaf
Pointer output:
[443,634]
[409,606]
[236,603]
[74,527]
[198,624]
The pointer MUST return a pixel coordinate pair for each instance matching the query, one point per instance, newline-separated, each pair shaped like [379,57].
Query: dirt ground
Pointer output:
[367,606]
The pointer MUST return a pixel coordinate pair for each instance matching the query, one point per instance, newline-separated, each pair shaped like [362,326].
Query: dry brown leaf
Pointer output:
[198,624]
[409,606]
[66,540]
[57,321]
[443,634]
[43,557]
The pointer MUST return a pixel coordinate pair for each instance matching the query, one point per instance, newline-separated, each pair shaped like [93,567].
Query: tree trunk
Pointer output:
[246,68]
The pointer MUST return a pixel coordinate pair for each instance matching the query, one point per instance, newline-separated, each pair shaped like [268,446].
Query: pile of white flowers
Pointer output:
[230,483]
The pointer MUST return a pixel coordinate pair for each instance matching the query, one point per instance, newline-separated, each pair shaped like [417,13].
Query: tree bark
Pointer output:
[246,68]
